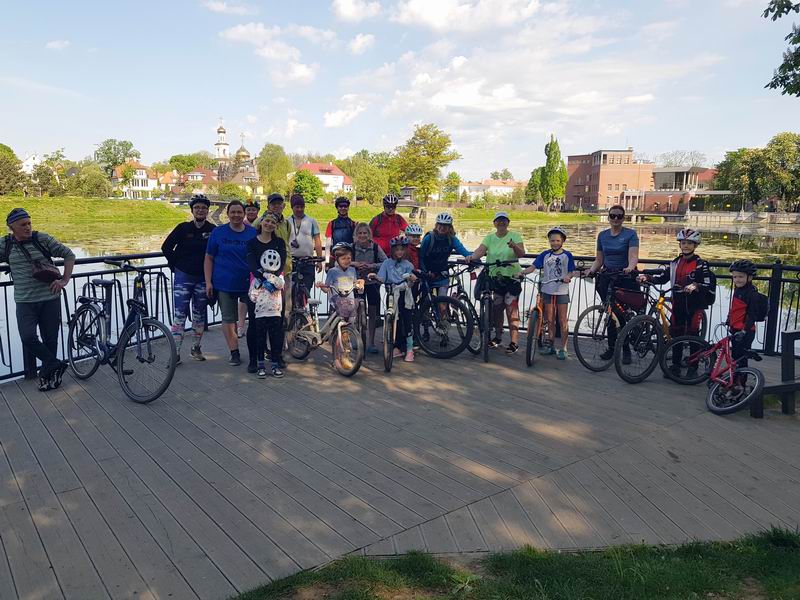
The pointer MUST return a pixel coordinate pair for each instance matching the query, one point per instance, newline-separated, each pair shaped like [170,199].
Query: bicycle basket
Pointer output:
[630,298]
[346,308]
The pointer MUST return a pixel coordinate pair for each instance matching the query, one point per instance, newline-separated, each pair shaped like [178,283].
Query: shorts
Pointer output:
[559,298]
[229,304]
[373,294]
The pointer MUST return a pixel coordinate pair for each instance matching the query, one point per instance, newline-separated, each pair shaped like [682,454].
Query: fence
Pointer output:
[780,282]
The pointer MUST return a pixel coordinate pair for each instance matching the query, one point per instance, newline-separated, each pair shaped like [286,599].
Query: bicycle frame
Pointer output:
[724,364]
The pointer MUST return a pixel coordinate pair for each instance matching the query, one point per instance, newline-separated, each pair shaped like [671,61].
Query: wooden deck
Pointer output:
[227,482]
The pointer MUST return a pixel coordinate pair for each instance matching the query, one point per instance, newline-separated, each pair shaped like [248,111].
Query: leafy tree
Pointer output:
[450,186]
[782,162]
[533,191]
[724,176]
[518,196]
[273,167]
[43,179]
[464,196]
[230,191]
[505,174]
[307,184]
[371,183]
[182,163]
[552,185]
[8,151]
[90,181]
[681,158]
[11,175]
[112,153]
[422,157]
[787,76]
[750,177]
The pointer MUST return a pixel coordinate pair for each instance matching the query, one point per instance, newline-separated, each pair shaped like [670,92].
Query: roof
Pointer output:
[707,175]
[326,169]
[220,129]
[242,151]
[685,169]
[135,165]
[209,176]
[495,183]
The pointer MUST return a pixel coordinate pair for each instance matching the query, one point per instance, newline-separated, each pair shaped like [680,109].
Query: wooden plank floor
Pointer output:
[227,481]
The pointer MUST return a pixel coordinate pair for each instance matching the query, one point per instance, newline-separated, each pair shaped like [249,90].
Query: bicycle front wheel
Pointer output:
[486,324]
[348,351]
[533,335]
[476,338]
[388,340]
[298,346]
[686,360]
[443,327]
[638,349]
[725,397]
[86,330]
[146,360]
[590,338]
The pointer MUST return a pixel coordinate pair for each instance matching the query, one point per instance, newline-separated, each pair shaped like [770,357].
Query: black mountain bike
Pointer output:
[487,301]
[443,325]
[144,356]
[459,292]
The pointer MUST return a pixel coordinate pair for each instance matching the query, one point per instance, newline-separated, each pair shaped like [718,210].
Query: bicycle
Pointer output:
[390,321]
[590,337]
[475,344]
[538,325]
[442,325]
[144,356]
[487,301]
[731,387]
[346,344]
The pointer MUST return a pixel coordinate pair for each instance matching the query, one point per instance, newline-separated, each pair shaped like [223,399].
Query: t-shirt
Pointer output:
[26,288]
[255,248]
[555,266]
[185,247]
[303,230]
[342,280]
[385,227]
[268,303]
[497,249]
[392,271]
[229,249]
[615,247]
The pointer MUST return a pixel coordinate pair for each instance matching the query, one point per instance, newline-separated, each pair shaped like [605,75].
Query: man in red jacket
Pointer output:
[388,224]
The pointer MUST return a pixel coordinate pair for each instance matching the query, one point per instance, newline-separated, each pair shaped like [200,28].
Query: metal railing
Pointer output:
[780,282]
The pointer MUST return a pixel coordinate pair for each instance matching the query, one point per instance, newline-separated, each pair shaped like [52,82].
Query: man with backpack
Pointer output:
[388,224]
[37,291]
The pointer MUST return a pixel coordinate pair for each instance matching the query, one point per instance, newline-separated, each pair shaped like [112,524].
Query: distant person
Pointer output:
[185,251]
[340,229]
[228,276]
[251,209]
[388,224]
[304,241]
[36,295]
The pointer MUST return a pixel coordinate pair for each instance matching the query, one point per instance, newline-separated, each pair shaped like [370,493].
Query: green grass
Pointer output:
[767,563]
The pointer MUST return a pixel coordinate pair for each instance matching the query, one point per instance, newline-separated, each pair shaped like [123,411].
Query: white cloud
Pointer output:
[57,44]
[659,31]
[351,106]
[641,99]
[361,43]
[251,119]
[313,34]
[294,126]
[355,10]
[256,34]
[464,15]
[230,8]
[278,51]
[296,73]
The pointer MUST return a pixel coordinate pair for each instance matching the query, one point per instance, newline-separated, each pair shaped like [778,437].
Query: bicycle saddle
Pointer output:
[314,302]
[103,282]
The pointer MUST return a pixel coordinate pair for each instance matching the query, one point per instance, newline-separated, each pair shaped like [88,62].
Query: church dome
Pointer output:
[220,129]
[242,153]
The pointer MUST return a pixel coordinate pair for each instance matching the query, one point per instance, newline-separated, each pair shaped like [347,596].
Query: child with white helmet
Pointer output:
[266,257]
[435,251]
[414,235]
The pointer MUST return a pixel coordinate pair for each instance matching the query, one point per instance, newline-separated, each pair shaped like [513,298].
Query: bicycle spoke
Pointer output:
[146,361]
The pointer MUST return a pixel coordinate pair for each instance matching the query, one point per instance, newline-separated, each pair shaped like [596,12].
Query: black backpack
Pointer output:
[759,306]
[34,238]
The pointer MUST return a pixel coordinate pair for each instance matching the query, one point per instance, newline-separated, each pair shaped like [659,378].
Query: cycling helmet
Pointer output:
[444,218]
[690,235]
[252,202]
[341,246]
[413,229]
[399,240]
[275,197]
[341,201]
[557,230]
[390,200]
[199,199]
[270,260]
[743,266]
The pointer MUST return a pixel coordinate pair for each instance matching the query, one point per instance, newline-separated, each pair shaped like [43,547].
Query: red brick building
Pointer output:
[600,179]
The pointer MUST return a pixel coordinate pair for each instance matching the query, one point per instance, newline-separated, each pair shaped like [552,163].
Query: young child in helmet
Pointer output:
[395,270]
[743,313]
[344,277]
[435,251]
[414,235]
[266,257]
[693,287]
[557,266]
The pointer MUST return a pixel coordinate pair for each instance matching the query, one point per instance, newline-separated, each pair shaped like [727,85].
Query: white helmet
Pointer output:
[690,235]
[444,219]
[270,260]
[413,229]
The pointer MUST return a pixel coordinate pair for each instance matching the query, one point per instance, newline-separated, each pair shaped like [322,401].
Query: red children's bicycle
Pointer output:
[689,360]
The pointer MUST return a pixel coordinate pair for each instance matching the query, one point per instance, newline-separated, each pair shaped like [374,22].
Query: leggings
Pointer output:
[47,316]
[272,328]
[188,288]
[404,324]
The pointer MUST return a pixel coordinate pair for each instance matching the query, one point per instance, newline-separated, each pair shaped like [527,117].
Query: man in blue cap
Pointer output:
[37,299]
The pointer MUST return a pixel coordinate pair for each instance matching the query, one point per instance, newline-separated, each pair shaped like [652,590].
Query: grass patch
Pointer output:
[765,565]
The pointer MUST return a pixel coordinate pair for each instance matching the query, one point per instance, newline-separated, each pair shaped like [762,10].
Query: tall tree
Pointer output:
[182,163]
[782,162]
[11,175]
[308,184]
[371,183]
[552,184]
[43,179]
[750,179]
[8,151]
[505,174]
[723,180]
[533,191]
[450,185]
[420,160]
[787,76]
[231,191]
[112,153]
[273,167]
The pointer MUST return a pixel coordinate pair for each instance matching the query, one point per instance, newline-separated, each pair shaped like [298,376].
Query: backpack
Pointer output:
[759,306]
[34,238]
[709,290]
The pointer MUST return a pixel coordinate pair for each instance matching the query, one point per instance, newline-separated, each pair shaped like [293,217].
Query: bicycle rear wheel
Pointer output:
[86,330]
[533,334]
[443,327]
[590,338]
[361,321]
[388,340]
[146,359]
[299,348]
[476,339]
[642,337]
[348,351]
[684,360]
[724,399]
[486,319]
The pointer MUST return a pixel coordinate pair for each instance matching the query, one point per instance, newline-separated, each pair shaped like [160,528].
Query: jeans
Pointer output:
[188,288]
[46,316]
[271,327]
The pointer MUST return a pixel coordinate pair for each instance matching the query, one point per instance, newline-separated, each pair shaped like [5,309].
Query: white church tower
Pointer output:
[222,147]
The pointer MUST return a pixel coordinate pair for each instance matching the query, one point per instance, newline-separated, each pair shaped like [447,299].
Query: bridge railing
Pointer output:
[780,282]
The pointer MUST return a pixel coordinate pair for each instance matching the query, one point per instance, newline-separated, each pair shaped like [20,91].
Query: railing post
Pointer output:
[787,370]
[774,308]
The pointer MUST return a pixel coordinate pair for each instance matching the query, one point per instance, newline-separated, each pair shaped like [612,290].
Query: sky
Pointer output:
[340,75]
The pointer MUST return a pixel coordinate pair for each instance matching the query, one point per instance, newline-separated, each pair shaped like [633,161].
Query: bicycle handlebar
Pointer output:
[308,259]
[126,266]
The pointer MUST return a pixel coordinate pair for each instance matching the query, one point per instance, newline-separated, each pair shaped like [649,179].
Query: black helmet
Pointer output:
[341,246]
[390,200]
[199,199]
[743,266]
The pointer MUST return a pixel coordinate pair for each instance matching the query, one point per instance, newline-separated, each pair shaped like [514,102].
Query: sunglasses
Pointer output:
[616,216]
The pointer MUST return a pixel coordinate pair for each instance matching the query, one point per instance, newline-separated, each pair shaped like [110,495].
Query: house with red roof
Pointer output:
[333,179]
[134,180]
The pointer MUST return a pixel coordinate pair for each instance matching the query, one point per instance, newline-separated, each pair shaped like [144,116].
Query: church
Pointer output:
[239,169]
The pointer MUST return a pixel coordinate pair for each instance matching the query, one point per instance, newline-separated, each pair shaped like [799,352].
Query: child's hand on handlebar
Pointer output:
[642,278]
[691,288]
[360,285]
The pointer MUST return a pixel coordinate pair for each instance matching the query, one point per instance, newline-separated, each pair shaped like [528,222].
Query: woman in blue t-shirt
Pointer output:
[617,251]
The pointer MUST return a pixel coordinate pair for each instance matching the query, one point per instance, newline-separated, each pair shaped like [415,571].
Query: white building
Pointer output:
[142,182]
[495,187]
[222,148]
[332,177]
[30,162]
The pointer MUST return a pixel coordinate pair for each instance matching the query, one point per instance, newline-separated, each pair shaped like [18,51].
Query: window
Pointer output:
[624,187]
[605,159]
[619,160]
[616,187]
[627,159]
[609,187]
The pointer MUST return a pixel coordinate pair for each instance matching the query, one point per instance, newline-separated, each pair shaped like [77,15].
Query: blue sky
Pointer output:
[341,75]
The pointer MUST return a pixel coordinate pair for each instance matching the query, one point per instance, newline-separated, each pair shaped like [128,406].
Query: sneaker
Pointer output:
[262,373]
[495,342]
[372,350]
[608,354]
[561,354]
[512,348]
[43,384]
[197,353]
[252,367]
[626,356]
[58,374]
[409,356]
[235,359]
[547,350]
[397,353]
[276,372]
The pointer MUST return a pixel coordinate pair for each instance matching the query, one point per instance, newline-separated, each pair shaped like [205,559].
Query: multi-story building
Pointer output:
[332,177]
[495,187]
[600,179]
[140,182]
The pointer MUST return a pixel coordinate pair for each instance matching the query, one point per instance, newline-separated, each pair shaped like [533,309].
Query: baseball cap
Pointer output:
[501,215]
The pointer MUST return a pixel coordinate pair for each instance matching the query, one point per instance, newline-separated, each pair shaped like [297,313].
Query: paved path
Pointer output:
[227,481]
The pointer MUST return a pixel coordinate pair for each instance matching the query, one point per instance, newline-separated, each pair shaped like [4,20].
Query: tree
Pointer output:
[112,153]
[307,184]
[11,175]
[533,191]
[681,158]
[553,185]
[505,174]
[231,191]
[787,76]
[420,160]
[518,195]
[450,185]
[750,177]
[724,176]
[273,167]
[90,181]
[782,162]
[371,183]
[7,151]
[182,163]
[43,179]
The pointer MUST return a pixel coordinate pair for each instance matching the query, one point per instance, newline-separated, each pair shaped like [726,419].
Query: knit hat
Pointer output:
[297,200]
[16,214]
